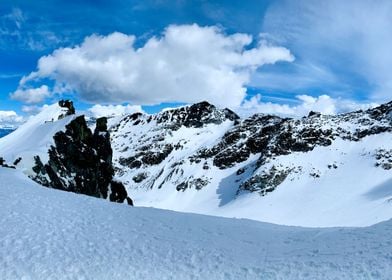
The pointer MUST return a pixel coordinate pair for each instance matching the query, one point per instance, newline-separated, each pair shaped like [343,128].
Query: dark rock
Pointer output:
[197,183]
[4,164]
[196,115]
[81,161]
[17,161]
[265,182]
[101,124]
[240,171]
[69,105]
[139,177]
[314,114]
[156,157]
[118,192]
[129,201]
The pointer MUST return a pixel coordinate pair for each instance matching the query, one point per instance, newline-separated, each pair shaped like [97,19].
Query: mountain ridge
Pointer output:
[203,159]
[159,157]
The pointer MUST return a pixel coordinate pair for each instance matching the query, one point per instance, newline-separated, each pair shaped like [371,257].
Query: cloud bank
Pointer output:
[31,95]
[187,63]
[10,119]
[303,105]
[113,110]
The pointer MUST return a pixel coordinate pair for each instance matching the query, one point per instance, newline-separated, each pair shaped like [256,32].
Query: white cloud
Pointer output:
[10,119]
[32,109]
[188,63]
[31,95]
[18,30]
[16,17]
[350,41]
[113,110]
[304,104]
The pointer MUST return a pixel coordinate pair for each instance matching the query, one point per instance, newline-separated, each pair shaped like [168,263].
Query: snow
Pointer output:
[356,193]
[50,234]
[341,196]
[34,137]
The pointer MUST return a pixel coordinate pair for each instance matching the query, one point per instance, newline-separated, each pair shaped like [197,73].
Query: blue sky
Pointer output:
[338,49]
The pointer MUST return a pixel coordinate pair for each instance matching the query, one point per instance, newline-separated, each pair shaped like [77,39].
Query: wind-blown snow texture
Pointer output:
[49,234]
[315,171]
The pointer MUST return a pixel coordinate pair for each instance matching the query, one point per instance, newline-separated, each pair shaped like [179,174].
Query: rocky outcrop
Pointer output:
[80,161]
[266,181]
[68,104]
[196,115]
[3,163]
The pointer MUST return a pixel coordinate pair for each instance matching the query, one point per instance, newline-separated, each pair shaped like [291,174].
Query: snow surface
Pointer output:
[50,234]
[34,137]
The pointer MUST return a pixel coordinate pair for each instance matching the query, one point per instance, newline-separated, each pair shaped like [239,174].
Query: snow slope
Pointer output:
[34,137]
[50,234]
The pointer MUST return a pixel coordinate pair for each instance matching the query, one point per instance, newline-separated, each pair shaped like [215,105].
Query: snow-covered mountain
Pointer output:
[315,171]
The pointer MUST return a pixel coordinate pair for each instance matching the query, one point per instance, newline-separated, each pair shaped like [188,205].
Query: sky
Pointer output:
[114,57]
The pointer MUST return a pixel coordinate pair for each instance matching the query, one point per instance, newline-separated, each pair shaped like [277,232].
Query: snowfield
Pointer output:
[50,234]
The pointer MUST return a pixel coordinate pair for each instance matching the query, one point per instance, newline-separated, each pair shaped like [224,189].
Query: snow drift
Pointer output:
[48,234]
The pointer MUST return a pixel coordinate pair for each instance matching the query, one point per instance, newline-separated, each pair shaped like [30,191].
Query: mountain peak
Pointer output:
[197,115]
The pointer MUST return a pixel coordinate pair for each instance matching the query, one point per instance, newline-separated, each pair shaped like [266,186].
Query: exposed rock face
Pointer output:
[4,164]
[68,104]
[196,115]
[383,159]
[265,182]
[81,161]
[186,148]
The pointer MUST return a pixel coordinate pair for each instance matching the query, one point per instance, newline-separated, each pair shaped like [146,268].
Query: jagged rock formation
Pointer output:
[81,161]
[3,163]
[189,147]
[68,104]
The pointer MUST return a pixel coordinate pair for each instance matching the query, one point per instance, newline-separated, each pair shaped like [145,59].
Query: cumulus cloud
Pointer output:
[187,63]
[113,110]
[303,105]
[31,95]
[10,119]
[32,109]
